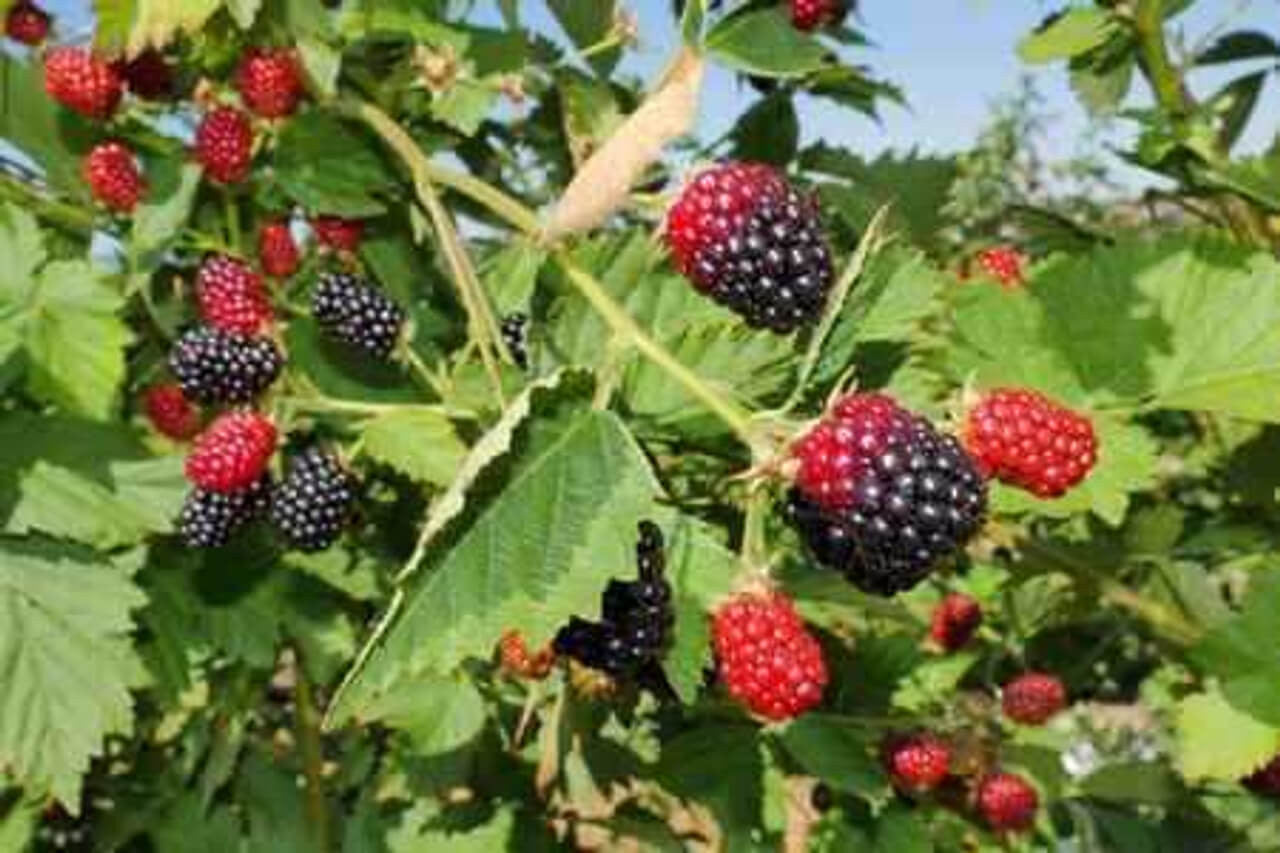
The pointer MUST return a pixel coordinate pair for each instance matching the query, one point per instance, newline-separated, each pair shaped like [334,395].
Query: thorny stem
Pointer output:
[312,755]
[483,325]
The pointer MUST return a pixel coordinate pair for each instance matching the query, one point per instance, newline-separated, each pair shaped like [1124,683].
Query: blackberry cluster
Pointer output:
[515,332]
[208,518]
[630,639]
[914,498]
[311,505]
[753,243]
[355,312]
[214,366]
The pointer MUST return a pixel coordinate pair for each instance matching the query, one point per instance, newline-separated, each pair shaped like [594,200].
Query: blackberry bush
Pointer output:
[916,451]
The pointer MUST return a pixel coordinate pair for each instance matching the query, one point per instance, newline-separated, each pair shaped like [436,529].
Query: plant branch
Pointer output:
[737,419]
[68,217]
[1153,51]
[483,325]
[312,751]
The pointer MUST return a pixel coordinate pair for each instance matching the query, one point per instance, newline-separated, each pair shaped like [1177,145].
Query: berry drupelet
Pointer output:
[1022,438]
[311,505]
[955,620]
[752,242]
[209,518]
[213,366]
[881,496]
[355,312]
[629,641]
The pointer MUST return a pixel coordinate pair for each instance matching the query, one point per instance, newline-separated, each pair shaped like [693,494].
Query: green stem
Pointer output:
[1153,50]
[483,324]
[232,210]
[356,407]
[74,220]
[738,420]
[425,373]
[312,751]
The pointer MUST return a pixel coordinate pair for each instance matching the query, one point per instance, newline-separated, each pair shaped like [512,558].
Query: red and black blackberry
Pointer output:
[26,23]
[148,75]
[312,504]
[209,518]
[881,496]
[213,366]
[357,313]
[629,641]
[809,15]
[515,331]
[955,620]
[753,243]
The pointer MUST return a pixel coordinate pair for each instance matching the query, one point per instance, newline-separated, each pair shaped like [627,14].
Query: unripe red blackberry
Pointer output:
[277,250]
[1265,781]
[1003,263]
[232,453]
[270,82]
[112,173]
[916,763]
[954,621]
[1033,698]
[766,658]
[224,145]
[811,14]
[752,242]
[632,636]
[81,81]
[232,296]
[170,412]
[1007,802]
[1022,438]
[881,496]
[26,23]
[355,312]
[312,504]
[209,518]
[334,232]
[213,366]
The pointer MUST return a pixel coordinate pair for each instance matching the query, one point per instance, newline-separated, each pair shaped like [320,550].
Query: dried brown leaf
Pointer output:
[602,184]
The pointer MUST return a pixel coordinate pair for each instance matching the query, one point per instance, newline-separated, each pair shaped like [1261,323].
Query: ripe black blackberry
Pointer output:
[635,629]
[214,366]
[515,329]
[208,518]
[357,313]
[881,496]
[312,504]
[752,242]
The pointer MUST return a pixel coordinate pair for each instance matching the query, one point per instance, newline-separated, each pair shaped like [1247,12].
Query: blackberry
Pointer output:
[753,243]
[311,505]
[630,639]
[881,496]
[515,330]
[208,518]
[352,310]
[213,366]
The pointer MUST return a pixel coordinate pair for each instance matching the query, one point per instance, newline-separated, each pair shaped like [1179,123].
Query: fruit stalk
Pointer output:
[312,755]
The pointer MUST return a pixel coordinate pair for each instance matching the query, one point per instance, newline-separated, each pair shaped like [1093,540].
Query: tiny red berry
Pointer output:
[277,250]
[1033,698]
[811,14]
[170,412]
[767,659]
[1265,781]
[111,171]
[955,619]
[269,82]
[232,296]
[80,81]
[1003,263]
[344,235]
[1007,802]
[148,75]
[224,145]
[232,453]
[916,763]
[26,23]
[1022,438]
[516,660]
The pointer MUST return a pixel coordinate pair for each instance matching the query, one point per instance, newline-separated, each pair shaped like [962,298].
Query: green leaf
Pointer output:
[591,113]
[837,751]
[539,552]
[762,41]
[420,443]
[701,573]
[244,11]
[329,166]
[158,22]
[768,132]
[321,64]
[1216,741]
[511,274]
[62,503]
[437,714]
[1137,782]
[900,830]
[1244,652]
[65,648]
[465,105]
[586,25]
[1072,33]
[156,224]
[719,766]
[1238,45]
[35,123]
